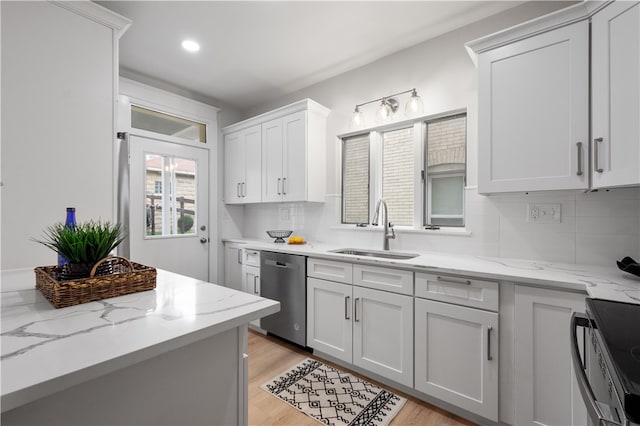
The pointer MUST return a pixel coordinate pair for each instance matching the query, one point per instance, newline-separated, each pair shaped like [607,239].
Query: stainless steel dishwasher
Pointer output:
[283,278]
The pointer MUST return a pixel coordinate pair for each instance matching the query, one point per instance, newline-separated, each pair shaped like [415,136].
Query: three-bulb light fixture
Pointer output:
[388,107]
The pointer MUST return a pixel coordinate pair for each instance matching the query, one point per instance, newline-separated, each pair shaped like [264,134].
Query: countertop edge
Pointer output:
[31,393]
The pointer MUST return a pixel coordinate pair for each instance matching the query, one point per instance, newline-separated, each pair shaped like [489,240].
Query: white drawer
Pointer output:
[459,290]
[251,257]
[330,270]
[388,279]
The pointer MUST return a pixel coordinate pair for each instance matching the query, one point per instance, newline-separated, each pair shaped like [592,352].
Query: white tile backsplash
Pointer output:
[596,227]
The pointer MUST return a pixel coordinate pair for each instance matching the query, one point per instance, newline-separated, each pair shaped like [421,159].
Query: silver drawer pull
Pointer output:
[453,280]
[489,357]
[579,172]
[355,309]
[596,155]
[346,305]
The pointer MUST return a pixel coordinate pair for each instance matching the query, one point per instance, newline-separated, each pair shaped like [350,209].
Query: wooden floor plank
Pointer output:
[269,357]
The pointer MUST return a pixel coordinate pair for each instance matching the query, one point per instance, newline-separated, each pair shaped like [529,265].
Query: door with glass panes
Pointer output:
[168,220]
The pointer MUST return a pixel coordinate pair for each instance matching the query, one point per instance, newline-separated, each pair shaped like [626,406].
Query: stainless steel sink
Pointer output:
[376,253]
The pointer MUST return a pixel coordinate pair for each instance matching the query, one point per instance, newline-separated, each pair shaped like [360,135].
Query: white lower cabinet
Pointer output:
[369,328]
[383,333]
[251,284]
[329,313]
[546,392]
[456,355]
[233,266]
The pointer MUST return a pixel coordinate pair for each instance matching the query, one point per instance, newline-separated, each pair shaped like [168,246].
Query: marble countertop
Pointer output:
[45,350]
[599,282]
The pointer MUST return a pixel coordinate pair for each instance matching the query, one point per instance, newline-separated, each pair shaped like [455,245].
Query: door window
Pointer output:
[170,195]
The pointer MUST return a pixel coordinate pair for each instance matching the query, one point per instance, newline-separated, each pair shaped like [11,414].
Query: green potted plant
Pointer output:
[83,246]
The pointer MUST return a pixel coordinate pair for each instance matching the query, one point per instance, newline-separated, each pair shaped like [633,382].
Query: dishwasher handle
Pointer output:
[277,264]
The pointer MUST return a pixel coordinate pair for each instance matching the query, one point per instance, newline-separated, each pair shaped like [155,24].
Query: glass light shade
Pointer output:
[384,113]
[357,119]
[414,106]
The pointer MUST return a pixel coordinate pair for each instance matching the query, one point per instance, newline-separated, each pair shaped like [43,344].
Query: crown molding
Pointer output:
[96,13]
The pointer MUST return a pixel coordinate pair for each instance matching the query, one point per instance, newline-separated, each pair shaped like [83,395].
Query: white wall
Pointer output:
[596,227]
[57,124]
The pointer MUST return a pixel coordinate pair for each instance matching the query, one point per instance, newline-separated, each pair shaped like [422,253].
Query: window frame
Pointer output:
[421,175]
[369,181]
[426,190]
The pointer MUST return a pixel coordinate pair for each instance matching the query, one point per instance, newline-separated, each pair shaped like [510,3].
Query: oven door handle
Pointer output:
[593,410]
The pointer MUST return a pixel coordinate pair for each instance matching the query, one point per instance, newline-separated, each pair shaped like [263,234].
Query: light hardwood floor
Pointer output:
[269,357]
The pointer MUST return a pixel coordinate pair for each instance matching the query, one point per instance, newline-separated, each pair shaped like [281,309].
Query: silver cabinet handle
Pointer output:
[489,357]
[240,256]
[278,185]
[579,172]
[238,190]
[255,285]
[284,181]
[596,155]
[346,305]
[453,280]
[244,189]
[355,309]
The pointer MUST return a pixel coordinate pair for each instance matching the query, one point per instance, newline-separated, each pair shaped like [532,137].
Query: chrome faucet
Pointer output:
[389,233]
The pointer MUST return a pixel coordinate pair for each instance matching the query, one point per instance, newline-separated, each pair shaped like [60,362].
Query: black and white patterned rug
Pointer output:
[334,397]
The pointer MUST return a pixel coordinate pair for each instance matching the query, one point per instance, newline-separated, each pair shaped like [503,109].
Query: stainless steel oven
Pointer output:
[609,373]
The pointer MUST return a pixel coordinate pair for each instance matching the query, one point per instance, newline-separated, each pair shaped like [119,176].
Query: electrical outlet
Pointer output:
[544,213]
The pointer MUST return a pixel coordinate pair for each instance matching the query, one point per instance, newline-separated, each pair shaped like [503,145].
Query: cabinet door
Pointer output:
[252,183]
[615,67]
[546,392]
[294,184]
[533,103]
[233,267]
[251,280]
[456,356]
[383,334]
[234,167]
[272,161]
[329,313]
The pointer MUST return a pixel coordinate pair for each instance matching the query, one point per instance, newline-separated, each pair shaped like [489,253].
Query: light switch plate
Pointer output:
[544,213]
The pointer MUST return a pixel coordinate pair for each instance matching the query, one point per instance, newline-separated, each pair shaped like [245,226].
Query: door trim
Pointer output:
[134,92]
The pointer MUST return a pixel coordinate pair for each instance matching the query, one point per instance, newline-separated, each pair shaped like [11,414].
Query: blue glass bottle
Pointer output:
[70,222]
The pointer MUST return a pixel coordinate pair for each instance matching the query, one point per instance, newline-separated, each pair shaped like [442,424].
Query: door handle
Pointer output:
[278,186]
[596,155]
[579,172]
[489,357]
[594,412]
[284,190]
[238,190]
[244,189]
[346,310]
[240,256]
[255,287]
[355,309]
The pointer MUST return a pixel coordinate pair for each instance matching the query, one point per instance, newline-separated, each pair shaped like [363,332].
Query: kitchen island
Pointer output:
[172,355]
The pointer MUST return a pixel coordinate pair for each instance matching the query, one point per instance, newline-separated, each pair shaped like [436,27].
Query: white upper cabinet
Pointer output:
[615,85]
[290,163]
[534,94]
[242,172]
[533,101]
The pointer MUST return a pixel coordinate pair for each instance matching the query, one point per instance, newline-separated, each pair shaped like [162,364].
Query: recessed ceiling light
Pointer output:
[190,45]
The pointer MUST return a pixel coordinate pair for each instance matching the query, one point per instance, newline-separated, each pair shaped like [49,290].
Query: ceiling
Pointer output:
[253,52]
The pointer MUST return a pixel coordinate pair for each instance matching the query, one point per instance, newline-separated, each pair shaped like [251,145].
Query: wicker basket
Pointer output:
[127,277]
